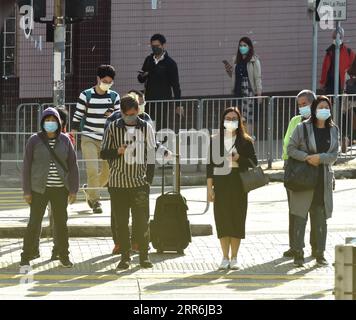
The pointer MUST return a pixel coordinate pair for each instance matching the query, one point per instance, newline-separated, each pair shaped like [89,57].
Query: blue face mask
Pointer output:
[244,50]
[323,114]
[305,111]
[50,126]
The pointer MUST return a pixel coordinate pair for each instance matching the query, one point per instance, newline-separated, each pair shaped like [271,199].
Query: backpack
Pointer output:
[88,94]
[351,86]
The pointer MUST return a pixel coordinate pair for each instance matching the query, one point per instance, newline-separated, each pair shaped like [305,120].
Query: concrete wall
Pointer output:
[201,33]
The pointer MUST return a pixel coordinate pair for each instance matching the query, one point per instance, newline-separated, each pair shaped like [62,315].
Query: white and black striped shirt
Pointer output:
[94,112]
[53,179]
[134,168]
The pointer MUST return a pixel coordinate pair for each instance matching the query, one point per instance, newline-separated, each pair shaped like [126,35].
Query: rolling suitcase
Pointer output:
[170,228]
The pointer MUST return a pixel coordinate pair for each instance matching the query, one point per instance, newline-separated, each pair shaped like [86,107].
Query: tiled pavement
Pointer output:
[263,274]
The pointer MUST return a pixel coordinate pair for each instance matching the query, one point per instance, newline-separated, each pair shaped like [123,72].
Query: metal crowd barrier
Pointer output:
[347,125]
[266,118]
[174,114]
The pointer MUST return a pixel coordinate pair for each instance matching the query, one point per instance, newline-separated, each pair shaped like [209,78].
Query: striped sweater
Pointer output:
[94,113]
[136,167]
[53,179]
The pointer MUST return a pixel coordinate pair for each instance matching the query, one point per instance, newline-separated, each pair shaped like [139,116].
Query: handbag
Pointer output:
[253,178]
[300,175]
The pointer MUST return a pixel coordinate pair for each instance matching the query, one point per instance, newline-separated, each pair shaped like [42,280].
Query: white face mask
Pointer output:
[323,114]
[305,112]
[231,126]
[105,86]
[141,108]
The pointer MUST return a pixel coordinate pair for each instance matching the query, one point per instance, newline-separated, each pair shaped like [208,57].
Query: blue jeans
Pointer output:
[319,226]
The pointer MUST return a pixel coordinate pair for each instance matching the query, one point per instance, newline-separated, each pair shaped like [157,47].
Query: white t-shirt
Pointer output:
[229,142]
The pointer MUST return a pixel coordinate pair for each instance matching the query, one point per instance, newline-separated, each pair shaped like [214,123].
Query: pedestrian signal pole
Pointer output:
[337,73]
[59,54]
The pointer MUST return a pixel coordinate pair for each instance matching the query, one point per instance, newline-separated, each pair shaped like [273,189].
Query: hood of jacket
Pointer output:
[51,112]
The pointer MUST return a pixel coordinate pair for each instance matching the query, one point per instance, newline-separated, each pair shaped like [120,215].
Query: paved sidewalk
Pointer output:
[263,275]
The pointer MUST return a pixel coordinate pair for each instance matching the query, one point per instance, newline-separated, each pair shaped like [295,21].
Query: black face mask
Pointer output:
[157,51]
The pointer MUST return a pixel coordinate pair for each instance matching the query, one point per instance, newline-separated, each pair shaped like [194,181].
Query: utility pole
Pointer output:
[59,54]
[337,73]
[315,51]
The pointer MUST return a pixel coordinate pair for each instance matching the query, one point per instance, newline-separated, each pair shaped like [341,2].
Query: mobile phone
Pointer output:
[225,62]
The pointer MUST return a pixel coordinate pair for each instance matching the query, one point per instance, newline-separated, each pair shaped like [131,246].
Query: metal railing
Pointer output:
[174,114]
[267,119]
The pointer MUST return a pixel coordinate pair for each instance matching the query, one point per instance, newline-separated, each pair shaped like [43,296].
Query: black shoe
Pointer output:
[146,263]
[35,256]
[97,207]
[289,253]
[299,259]
[321,261]
[145,260]
[25,262]
[125,261]
[66,263]
[54,256]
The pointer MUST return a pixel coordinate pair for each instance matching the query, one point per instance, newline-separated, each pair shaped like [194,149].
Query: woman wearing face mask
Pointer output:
[323,141]
[50,174]
[246,76]
[231,152]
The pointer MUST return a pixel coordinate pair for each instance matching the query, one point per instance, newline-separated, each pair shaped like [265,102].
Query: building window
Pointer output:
[9,46]
[69,49]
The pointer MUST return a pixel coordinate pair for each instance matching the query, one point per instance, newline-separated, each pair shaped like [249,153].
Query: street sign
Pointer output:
[339,9]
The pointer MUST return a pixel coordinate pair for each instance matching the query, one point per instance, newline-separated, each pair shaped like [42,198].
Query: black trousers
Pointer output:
[115,232]
[136,199]
[319,225]
[291,228]
[58,197]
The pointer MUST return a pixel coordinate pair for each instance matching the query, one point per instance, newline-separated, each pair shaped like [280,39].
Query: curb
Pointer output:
[278,175]
[273,175]
[197,230]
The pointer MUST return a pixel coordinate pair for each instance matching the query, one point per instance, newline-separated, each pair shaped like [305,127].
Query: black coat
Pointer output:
[161,80]
[245,150]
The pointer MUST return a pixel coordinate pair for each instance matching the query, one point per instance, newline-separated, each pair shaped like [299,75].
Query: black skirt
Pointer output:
[230,205]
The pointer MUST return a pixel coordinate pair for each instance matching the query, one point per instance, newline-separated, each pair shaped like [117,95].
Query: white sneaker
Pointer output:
[233,264]
[225,264]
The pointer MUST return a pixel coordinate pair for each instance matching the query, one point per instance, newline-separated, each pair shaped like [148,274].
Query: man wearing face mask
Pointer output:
[160,75]
[94,106]
[305,99]
[129,147]
[347,56]
[140,97]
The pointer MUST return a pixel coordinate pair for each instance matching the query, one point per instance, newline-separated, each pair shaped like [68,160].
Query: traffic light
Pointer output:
[81,9]
[39,8]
